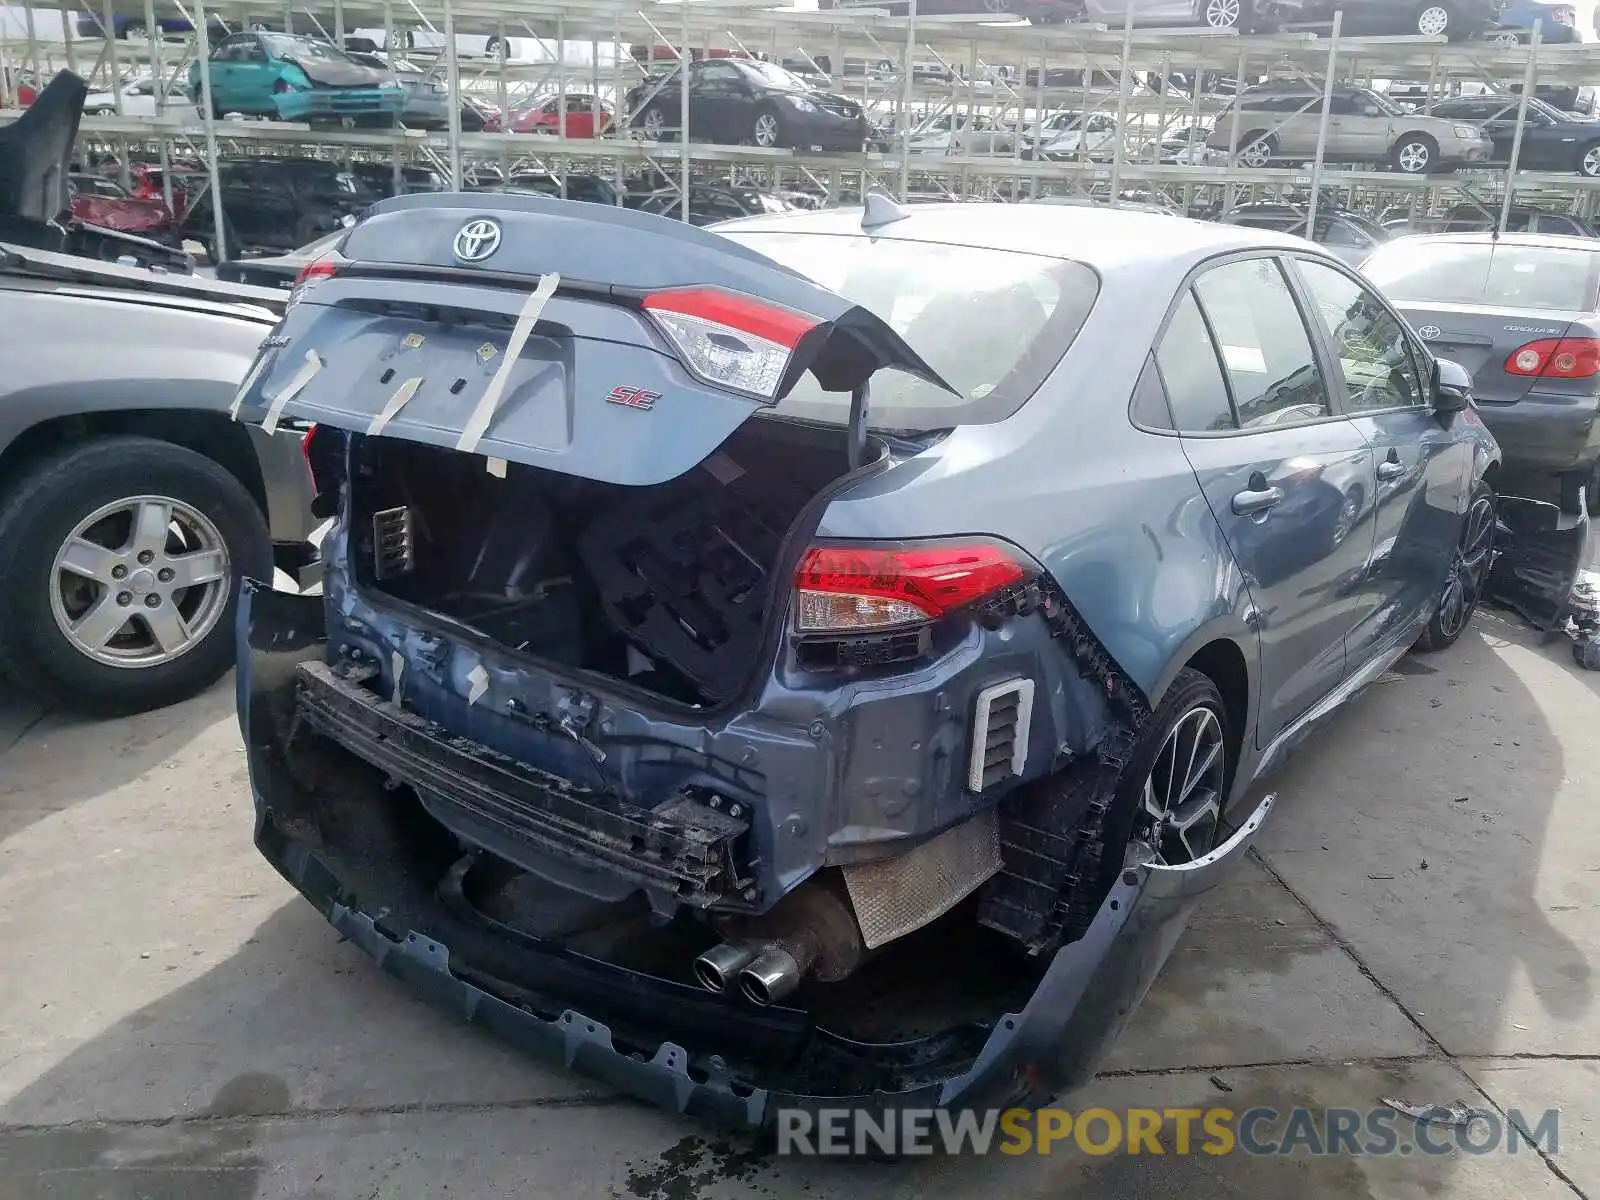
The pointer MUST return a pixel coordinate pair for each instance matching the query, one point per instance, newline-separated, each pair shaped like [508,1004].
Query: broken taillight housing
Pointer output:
[729,340]
[313,273]
[1556,358]
[844,589]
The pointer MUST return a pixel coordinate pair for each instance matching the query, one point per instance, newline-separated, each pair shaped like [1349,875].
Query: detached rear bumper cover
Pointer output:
[1081,1004]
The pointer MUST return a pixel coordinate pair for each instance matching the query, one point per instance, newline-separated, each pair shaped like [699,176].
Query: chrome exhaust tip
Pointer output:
[718,966]
[770,977]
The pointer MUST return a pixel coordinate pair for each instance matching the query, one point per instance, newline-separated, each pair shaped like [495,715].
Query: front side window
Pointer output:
[1266,350]
[1375,355]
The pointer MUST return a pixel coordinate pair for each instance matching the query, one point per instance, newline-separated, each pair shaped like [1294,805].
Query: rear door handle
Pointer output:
[1257,503]
[1391,470]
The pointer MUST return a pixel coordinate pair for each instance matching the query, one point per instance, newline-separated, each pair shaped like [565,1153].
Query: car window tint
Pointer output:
[1149,407]
[1266,351]
[1192,373]
[1374,351]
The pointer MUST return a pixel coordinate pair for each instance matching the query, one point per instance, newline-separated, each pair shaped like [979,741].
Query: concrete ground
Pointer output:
[1419,922]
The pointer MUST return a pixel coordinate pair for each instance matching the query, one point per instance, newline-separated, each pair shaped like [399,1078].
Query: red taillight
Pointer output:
[730,340]
[313,273]
[1556,358]
[864,589]
[305,444]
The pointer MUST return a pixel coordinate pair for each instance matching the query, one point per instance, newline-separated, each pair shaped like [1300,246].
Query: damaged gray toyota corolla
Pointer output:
[813,662]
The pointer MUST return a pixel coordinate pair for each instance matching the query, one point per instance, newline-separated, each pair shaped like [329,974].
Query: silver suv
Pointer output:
[1280,121]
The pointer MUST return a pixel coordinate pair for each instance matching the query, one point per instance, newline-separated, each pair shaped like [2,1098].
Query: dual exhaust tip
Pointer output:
[762,974]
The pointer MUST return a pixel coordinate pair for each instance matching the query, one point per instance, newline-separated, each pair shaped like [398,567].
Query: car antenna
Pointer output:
[880,209]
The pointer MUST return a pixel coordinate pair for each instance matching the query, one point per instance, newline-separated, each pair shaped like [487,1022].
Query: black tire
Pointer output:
[493,47]
[135,31]
[780,133]
[1469,567]
[1097,870]
[1415,154]
[39,514]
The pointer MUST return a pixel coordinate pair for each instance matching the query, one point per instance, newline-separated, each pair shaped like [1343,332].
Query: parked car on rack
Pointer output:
[970,135]
[131,504]
[1522,313]
[577,185]
[378,179]
[735,101]
[1551,140]
[1558,23]
[1247,16]
[146,183]
[1283,121]
[106,203]
[1070,136]
[1349,235]
[293,78]
[468,45]
[134,28]
[709,203]
[1457,20]
[586,116]
[138,99]
[695,638]
[277,204]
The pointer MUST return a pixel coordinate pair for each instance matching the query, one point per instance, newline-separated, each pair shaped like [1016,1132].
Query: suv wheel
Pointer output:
[1589,164]
[120,563]
[654,124]
[1258,150]
[1222,14]
[1416,154]
[1435,20]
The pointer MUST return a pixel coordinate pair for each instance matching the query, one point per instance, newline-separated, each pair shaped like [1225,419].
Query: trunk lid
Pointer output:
[520,327]
[1484,339]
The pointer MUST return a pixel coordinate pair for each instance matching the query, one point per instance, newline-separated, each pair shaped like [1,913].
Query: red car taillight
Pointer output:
[1556,358]
[730,340]
[845,589]
[313,273]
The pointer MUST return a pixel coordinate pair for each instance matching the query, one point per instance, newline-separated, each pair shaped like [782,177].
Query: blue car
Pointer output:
[817,660]
[136,29]
[293,78]
[1559,23]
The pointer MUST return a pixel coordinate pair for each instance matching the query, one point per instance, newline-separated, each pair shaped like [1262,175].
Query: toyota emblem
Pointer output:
[1428,332]
[477,240]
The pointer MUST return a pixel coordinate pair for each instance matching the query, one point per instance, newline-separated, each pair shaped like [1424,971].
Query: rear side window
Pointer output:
[1542,277]
[993,323]
[1266,350]
[1189,367]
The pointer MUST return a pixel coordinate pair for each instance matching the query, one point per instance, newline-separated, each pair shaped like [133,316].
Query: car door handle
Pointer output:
[1257,503]
[1391,470]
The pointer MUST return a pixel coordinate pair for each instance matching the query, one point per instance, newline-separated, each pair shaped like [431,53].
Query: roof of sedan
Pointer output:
[1099,237]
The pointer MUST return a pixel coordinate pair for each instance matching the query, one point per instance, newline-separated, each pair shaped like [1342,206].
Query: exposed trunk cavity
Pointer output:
[667,587]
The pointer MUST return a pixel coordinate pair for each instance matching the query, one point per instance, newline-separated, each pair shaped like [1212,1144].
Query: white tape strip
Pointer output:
[478,423]
[396,402]
[303,376]
[497,467]
[249,382]
[479,679]
[397,665]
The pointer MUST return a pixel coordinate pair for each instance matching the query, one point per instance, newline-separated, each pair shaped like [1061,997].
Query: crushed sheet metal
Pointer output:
[1459,1115]
[303,376]
[478,423]
[479,679]
[895,896]
[394,404]
[397,667]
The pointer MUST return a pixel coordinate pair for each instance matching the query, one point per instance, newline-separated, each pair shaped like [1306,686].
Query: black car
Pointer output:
[1522,313]
[1349,235]
[580,185]
[1457,20]
[1551,139]
[277,204]
[379,178]
[709,203]
[734,101]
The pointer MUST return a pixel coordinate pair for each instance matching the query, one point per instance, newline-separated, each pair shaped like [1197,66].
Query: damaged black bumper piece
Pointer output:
[398,894]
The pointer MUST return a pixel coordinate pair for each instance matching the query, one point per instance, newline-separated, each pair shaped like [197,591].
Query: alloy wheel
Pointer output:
[997,6]
[1591,162]
[1433,20]
[1222,14]
[1469,568]
[1182,808]
[140,581]
[1256,154]
[1504,37]
[1414,158]
[765,133]
[654,123]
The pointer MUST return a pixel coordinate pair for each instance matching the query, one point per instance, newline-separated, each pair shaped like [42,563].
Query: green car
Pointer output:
[293,78]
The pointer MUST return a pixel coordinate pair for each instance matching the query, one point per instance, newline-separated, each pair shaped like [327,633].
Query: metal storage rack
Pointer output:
[986,71]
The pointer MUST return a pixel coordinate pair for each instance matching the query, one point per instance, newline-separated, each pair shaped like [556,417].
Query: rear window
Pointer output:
[1507,276]
[993,323]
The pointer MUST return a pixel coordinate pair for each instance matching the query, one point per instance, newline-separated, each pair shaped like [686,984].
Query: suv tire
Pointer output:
[1257,149]
[1415,154]
[45,513]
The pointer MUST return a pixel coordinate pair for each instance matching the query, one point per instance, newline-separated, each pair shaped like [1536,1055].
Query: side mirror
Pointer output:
[1451,387]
